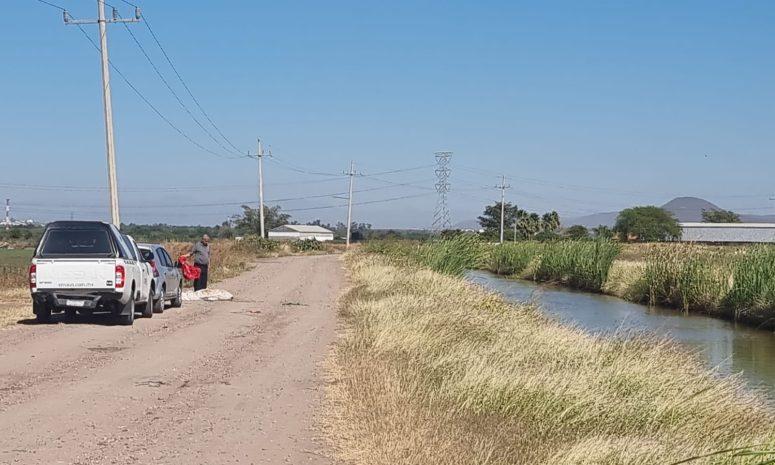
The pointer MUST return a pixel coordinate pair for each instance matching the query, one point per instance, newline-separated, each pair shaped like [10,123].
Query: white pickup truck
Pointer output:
[87,267]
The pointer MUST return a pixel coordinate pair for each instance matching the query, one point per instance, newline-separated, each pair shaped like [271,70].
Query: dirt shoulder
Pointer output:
[211,383]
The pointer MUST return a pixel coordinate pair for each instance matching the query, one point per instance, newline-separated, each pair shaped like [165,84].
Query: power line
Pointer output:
[370,202]
[292,167]
[183,82]
[147,102]
[51,4]
[404,170]
[175,94]
[406,184]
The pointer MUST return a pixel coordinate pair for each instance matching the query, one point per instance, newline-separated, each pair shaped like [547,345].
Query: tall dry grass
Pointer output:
[13,277]
[432,370]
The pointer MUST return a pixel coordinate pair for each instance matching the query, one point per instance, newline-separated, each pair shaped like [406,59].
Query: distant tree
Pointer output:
[550,221]
[576,232]
[490,221]
[720,216]
[250,221]
[602,232]
[451,233]
[322,225]
[530,225]
[546,236]
[647,224]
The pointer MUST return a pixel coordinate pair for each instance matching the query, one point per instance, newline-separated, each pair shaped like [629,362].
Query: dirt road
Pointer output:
[211,383]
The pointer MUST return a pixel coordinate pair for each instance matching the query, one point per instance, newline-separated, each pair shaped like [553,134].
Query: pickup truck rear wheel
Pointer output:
[129,308]
[42,312]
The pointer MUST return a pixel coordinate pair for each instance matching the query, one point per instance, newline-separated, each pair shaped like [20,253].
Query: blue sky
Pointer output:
[585,106]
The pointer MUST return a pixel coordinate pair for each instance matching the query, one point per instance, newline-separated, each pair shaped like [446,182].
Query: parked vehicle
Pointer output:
[167,278]
[88,267]
[146,310]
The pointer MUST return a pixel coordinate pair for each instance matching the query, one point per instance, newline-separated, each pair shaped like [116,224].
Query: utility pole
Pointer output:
[515,228]
[106,97]
[261,186]
[7,214]
[350,202]
[503,188]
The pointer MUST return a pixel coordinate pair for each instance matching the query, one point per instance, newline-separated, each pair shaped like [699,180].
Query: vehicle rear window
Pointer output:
[147,255]
[76,242]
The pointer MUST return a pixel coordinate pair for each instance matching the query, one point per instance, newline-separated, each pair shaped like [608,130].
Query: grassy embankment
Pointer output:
[728,282]
[229,258]
[433,370]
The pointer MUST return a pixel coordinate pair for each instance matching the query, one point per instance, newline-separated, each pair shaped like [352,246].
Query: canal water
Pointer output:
[729,347]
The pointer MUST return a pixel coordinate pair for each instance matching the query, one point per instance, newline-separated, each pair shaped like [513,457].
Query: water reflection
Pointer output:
[725,345]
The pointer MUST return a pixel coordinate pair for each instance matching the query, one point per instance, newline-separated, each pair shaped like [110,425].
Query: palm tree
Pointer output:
[550,222]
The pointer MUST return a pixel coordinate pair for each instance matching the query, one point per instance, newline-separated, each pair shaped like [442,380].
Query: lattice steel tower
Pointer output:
[441,219]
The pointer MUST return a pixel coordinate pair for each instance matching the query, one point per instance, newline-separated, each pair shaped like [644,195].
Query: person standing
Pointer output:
[201,254]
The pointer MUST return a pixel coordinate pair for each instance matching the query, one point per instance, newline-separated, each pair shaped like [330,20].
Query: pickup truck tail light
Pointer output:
[155,270]
[33,276]
[120,276]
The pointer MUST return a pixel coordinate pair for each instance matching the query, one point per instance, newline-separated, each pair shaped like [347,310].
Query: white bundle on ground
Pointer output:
[207,294]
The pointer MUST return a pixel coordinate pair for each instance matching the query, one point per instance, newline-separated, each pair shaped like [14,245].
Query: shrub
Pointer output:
[753,288]
[687,277]
[579,264]
[306,245]
[512,258]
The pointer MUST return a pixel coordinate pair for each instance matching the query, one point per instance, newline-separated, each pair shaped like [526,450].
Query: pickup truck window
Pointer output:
[130,247]
[76,242]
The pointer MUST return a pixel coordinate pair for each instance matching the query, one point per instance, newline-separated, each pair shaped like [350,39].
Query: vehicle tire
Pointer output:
[158,304]
[42,312]
[129,319]
[146,309]
[177,302]
[70,314]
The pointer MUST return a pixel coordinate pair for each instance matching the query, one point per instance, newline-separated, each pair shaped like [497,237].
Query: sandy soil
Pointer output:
[210,383]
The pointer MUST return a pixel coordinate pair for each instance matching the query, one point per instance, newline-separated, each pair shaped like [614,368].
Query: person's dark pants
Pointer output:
[201,282]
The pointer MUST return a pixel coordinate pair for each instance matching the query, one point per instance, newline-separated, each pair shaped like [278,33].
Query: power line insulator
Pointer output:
[137,13]
[115,14]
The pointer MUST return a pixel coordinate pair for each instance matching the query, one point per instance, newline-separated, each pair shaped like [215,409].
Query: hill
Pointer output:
[686,209]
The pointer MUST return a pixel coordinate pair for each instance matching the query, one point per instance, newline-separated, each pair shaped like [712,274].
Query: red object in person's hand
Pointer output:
[190,272]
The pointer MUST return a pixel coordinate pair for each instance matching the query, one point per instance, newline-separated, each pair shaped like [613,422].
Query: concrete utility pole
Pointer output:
[515,229]
[261,186]
[106,97]
[7,214]
[503,188]
[350,202]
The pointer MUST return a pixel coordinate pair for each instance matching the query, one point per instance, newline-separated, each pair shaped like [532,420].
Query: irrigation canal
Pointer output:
[724,345]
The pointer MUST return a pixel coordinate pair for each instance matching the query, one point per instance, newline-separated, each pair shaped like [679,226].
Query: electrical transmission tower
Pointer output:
[441,219]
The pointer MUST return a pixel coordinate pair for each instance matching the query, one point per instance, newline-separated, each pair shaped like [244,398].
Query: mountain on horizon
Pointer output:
[686,209]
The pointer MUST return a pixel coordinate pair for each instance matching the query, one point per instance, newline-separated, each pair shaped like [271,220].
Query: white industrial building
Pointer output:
[292,232]
[729,233]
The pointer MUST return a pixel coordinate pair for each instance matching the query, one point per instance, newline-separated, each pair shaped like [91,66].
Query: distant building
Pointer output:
[728,233]
[291,232]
